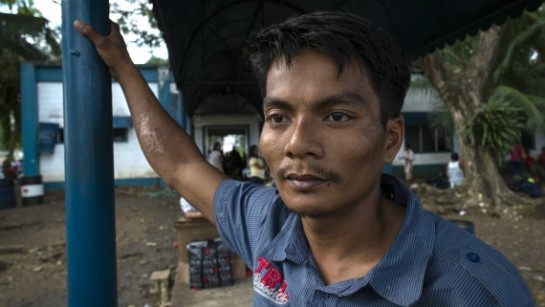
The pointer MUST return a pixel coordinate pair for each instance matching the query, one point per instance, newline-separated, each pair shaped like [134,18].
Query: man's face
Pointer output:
[323,138]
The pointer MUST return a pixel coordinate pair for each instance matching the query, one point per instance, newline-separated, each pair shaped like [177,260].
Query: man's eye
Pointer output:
[277,119]
[337,117]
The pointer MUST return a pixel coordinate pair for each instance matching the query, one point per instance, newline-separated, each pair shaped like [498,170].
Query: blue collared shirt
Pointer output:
[432,262]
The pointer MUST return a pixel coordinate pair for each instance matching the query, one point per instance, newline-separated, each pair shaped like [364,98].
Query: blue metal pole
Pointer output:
[90,209]
[29,114]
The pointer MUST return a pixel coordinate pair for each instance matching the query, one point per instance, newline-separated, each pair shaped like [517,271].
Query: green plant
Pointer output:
[498,125]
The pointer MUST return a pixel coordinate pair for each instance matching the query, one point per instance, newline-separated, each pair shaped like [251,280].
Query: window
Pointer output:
[120,135]
[422,137]
[120,131]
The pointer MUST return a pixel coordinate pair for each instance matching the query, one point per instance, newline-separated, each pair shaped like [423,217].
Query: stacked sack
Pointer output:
[210,264]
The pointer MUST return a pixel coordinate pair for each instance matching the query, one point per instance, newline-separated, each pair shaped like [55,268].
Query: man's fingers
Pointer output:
[85,29]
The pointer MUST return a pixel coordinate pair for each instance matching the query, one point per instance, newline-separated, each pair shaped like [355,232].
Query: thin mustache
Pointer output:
[327,174]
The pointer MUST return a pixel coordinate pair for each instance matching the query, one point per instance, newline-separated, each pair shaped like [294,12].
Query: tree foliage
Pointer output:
[24,36]
[493,87]
[129,21]
[498,125]
[515,91]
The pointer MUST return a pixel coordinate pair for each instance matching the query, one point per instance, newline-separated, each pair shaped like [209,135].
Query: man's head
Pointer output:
[327,130]
[254,151]
[454,156]
[344,37]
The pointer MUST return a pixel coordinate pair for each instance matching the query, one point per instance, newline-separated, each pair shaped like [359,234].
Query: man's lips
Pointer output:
[306,178]
[304,182]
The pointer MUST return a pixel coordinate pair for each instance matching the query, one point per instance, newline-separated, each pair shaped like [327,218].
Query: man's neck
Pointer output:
[350,244]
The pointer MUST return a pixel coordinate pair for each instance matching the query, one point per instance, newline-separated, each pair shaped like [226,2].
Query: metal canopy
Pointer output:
[205,37]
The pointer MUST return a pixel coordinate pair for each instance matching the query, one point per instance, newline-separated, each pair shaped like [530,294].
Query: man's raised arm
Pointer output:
[170,151]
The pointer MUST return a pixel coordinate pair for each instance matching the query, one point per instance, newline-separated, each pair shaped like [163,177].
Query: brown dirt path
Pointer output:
[32,247]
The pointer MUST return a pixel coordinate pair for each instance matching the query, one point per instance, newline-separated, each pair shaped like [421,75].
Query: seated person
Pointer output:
[189,211]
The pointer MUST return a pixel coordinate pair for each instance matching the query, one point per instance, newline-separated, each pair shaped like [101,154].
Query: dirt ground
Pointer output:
[33,261]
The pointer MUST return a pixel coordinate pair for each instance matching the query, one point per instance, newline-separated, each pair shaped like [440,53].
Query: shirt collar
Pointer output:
[399,276]
[290,243]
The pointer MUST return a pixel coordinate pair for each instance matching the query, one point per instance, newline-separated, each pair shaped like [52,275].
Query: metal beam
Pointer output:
[90,210]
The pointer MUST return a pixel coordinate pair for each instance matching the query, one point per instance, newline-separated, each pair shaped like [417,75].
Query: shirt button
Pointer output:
[473,257]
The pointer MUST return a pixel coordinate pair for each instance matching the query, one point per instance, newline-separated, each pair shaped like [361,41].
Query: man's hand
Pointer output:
[111,48]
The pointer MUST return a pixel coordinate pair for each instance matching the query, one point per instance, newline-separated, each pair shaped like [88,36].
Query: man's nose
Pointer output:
[304,140]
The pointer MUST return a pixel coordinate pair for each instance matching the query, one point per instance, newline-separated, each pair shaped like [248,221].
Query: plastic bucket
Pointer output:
[32,190]
[7,194]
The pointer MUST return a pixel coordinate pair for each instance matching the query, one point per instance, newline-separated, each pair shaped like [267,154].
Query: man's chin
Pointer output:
[312,213]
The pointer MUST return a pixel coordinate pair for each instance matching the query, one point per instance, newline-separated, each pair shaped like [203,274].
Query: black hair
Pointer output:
[454,156]
[343,36]
[253,148]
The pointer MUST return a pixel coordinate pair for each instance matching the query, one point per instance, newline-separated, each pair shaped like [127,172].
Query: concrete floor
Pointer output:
[239,294]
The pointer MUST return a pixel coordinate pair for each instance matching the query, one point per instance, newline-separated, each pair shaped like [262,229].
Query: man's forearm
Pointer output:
[164,143]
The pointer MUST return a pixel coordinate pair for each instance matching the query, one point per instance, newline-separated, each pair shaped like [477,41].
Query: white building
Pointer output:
[43,126]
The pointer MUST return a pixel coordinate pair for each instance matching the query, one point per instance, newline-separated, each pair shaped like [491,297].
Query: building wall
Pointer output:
[129,161]
[130,165]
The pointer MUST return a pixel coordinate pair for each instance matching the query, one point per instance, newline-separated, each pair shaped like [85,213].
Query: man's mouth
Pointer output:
[304,182]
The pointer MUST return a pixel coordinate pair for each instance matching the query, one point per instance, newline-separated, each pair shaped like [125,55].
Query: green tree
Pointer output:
[24,36]
[493,87]
[130,15]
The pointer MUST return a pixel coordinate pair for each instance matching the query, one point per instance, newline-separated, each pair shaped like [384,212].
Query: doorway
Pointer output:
[234,146]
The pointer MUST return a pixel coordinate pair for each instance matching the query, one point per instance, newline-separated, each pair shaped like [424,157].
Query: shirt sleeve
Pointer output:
[241,209]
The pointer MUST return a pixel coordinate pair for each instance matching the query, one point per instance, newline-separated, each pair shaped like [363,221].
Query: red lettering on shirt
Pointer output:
[271,278]
[263,263]
[266,279]
[282,288]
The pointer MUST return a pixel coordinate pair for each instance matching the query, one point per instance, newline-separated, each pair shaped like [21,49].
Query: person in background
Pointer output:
[234,163]
[541,158]
[455,170]
[335,230]
[9,171]
[215,157]
[408,158]
[258,167]
[189,211]
[2,176]
[516,159]
[533,167]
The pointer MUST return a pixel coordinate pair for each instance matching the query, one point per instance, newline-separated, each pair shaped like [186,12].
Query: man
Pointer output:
[257,166]
[215,157]
[334,232]
[541,158]
[455,170]
[408,158]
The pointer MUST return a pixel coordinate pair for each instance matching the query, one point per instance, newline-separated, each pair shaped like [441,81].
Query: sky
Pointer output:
[51,10]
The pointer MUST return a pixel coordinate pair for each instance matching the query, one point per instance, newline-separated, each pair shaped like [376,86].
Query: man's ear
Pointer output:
[395,132]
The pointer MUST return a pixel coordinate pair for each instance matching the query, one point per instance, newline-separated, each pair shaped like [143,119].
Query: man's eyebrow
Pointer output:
[273,102]
[343,97]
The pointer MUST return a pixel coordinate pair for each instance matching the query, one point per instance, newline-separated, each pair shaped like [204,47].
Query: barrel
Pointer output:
[7,194]
[32,190]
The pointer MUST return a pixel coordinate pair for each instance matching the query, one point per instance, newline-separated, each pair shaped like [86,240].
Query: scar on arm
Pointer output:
[151,136]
